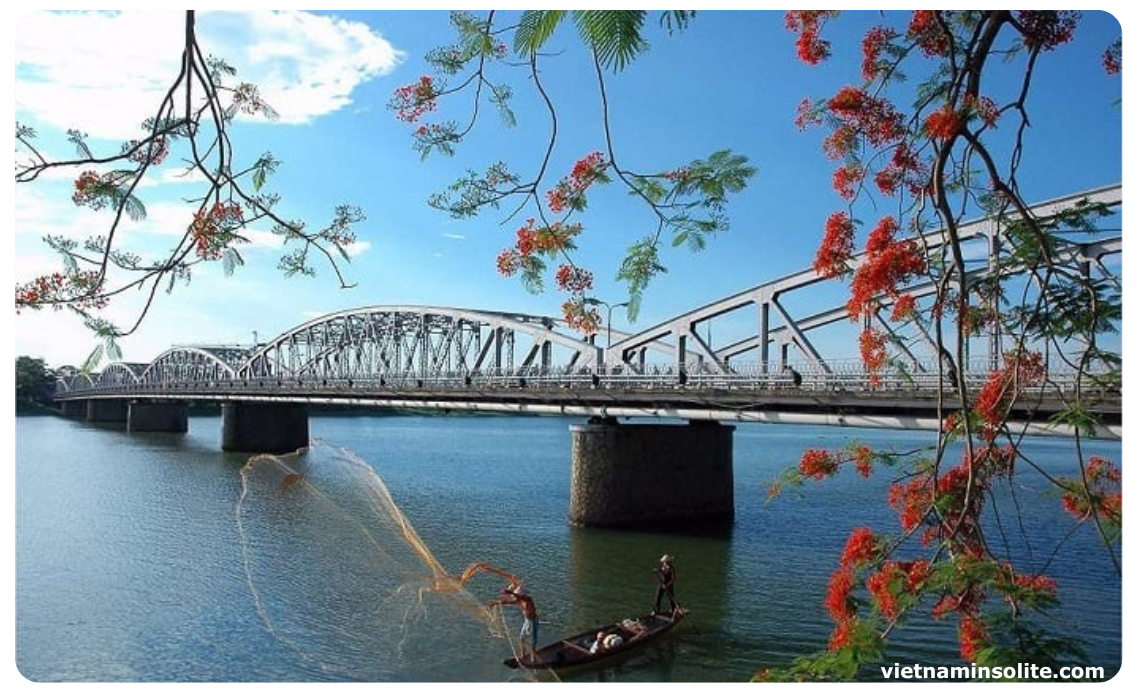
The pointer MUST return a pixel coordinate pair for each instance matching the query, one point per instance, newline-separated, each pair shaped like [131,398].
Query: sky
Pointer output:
[730,80]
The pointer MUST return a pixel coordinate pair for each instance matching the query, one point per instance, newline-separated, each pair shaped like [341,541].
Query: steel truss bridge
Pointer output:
[452,359]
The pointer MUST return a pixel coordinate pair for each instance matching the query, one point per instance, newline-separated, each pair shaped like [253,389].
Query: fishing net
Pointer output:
[341,577]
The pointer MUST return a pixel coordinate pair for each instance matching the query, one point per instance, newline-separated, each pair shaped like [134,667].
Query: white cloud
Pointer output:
[106,71]
[456,237]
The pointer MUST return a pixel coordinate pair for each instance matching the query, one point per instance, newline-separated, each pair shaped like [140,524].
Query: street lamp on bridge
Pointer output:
[609,315]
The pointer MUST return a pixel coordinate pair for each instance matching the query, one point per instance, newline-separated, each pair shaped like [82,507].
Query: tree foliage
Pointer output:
[686,204]
[918,136]
[34,381]
[188,134]
[935,160]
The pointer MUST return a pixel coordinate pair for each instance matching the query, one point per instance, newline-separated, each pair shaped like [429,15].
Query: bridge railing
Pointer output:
[839,377]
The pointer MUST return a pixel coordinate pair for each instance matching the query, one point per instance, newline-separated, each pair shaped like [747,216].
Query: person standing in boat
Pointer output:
[515,594]
[666,575]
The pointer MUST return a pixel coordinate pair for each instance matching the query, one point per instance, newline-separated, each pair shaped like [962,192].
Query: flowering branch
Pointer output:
[193,116]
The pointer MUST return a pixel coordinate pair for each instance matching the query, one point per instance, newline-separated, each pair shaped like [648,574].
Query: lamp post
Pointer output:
[609,315]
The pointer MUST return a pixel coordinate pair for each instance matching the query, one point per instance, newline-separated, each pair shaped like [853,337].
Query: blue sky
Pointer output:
[731,80]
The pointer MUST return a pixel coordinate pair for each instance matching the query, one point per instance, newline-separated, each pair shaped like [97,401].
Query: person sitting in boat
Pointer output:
[666,576]
[604,641]
[515,594]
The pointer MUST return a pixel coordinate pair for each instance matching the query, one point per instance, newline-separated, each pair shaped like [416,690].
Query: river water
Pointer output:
[139,560]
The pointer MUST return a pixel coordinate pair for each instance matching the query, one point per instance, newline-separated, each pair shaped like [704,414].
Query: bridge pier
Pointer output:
[158,416]
[74,409]
[263,427]
[650,475]
[110,410]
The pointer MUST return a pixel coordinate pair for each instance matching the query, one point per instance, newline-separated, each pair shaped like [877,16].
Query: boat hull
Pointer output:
[573,652]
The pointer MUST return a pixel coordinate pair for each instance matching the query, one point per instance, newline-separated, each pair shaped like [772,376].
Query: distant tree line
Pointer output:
[35,382]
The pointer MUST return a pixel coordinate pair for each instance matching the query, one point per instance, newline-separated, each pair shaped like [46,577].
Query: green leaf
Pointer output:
[535,28]
[93,359]
[614,35]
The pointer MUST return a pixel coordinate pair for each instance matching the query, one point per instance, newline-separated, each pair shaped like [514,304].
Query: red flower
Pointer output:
[810,48]
[840,636]
[573,279]
[845,180]
[863,456]
[873,44]
[1113,58]
[414,100]
[879,586]
[972,636]
[818,464]
[862,547]
[904,308]
[943,124]
[1047,29]
[837,247]
[838,602]
[926,31]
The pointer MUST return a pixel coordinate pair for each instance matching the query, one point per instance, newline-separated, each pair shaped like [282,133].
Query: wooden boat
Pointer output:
[577,652]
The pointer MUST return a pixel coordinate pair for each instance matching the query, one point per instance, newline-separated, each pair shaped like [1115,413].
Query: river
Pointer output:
[137,561]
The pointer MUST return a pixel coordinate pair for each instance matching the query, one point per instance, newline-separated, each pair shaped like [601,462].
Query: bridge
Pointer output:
[764,367]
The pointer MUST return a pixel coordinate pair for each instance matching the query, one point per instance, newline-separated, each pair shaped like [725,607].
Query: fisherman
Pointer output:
[665,578]
[515,594]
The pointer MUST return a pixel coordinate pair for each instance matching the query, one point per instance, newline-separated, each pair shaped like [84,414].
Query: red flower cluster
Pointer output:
[873,351]
[531,240]
[82,289]
[862,548]
[874,42]
[92,190]
[872,117]
[972,637]
[883,586]
[983,107]
[817,464]
[887,266]
[943,124]
[573,279]
[1098,494]
[414,100]
[153,152]
[846,180]
[212,231]
[928,33]
[904,168]
[1047,29]
[863,457]
[838,600]
[837,247]
[905,307]
[1113,58]
[810,48]
[570,193]
[1003,387]
[584,319]
[911,500]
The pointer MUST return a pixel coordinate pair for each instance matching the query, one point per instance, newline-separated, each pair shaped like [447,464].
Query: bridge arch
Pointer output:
[194,364]
[120,374]
[71,379]
[777,321]
[397,343]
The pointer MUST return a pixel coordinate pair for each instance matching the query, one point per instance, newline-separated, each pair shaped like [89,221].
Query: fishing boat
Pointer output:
[619,640]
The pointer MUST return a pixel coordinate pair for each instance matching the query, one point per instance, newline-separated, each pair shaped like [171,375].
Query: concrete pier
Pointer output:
[158,416]
[111,410]
[74,409]
[650,475]
[257,427]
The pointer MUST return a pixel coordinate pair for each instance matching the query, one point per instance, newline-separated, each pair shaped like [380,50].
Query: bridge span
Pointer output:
[455,360]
